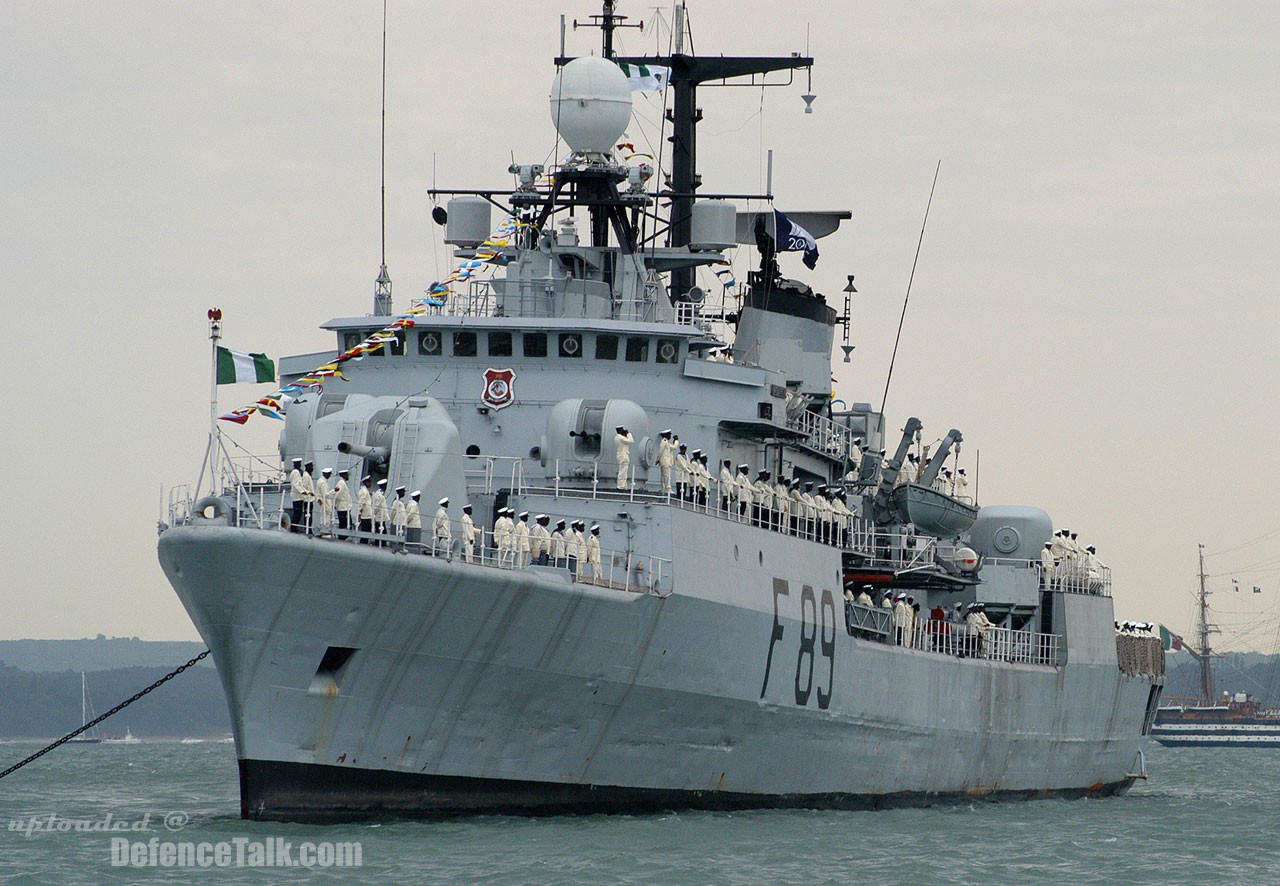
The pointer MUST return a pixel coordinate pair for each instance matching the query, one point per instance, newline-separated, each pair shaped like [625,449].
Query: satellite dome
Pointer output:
[590,104]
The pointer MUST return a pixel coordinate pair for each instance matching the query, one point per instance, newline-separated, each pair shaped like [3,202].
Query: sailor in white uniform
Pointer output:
[324,498]
[593,551]
[342,499]
[666,458]
[297,496]
[468,535]
[443,532]
[413,519]
[622,443]
[398,515]
[520,540]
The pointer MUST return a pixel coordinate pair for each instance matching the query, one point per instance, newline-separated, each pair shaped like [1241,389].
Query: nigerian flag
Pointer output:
[646,78]
[234,366]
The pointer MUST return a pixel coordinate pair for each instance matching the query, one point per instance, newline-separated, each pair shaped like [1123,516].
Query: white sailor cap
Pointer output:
[900,596]
[297,461]
[327,471]
[467,507]
[523,514]
[399,489]
[665,433]
[559,523]
[541,517]
[1048,544]
[595,527]
[382,482]
[744,467]
[417,493]
[444,502]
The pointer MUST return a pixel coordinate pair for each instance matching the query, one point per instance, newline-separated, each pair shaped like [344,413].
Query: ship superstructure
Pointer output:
[718,651]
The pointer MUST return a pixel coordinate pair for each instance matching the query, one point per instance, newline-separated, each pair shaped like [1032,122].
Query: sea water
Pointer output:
[76,814]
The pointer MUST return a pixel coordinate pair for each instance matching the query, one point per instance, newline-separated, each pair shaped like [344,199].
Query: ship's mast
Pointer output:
[687,72]
[1206,672]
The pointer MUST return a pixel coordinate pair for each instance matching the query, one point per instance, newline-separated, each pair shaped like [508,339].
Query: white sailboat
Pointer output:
[89,736]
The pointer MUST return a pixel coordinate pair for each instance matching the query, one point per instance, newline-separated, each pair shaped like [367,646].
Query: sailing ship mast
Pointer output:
[1203,653]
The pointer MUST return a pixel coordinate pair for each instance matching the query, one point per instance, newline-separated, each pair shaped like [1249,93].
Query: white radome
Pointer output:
[590,104]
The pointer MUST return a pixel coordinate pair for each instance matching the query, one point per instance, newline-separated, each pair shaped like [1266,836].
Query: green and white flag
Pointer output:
[646,78]
[234,366]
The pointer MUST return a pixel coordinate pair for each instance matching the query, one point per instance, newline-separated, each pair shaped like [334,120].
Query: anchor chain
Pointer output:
[94,722]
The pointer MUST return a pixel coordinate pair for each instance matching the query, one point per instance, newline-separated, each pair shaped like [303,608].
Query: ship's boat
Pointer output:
[654,597]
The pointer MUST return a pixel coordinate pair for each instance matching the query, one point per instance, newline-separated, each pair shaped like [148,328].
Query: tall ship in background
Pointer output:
[683,578]
[1231,720]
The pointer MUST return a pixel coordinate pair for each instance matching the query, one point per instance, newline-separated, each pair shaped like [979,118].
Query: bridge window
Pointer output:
[429,344]
[570,344]
[464,344]
[499,344]
[637,349]
[606,347]
[535,344]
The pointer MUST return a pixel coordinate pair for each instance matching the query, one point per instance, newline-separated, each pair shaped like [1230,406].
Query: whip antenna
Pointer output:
[910,280]
[382,286]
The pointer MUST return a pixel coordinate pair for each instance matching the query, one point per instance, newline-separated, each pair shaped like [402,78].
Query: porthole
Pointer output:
[429,344]
[473,450]
[570,344]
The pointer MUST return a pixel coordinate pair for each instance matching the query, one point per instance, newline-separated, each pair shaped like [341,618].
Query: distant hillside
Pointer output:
[98,654]
[47,705]
[1258,675]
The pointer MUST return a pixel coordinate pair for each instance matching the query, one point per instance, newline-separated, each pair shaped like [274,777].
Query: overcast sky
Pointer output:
[1094,305]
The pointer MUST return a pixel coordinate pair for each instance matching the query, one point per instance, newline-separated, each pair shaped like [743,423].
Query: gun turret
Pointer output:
[379,455]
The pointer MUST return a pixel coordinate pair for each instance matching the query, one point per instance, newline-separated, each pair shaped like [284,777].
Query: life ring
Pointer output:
[286,521]
[212,507]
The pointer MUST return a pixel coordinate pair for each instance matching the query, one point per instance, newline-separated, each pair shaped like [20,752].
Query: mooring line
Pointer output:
[117,709]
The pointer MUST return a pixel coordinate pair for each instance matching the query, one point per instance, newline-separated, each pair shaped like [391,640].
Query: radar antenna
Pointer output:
[608,21]
[687,72]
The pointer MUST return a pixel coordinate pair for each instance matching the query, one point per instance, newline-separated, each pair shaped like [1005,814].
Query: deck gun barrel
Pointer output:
[379,455]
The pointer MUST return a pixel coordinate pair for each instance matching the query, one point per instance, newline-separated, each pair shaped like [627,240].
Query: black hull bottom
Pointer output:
[305,792]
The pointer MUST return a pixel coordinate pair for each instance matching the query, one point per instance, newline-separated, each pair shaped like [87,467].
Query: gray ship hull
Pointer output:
[362,682]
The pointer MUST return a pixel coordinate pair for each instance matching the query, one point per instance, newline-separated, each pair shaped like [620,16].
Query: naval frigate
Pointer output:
[723,620]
